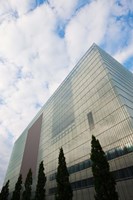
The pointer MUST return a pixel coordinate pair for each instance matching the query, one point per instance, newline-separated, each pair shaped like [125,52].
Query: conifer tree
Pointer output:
[103,181]
[40,190]
[28,186]
[17,192]
[64,190]
[5,191]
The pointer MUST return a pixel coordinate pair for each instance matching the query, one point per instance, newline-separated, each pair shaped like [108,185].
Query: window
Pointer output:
[90,120]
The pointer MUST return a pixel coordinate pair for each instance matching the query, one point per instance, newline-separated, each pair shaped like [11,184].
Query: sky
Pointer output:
[40,42]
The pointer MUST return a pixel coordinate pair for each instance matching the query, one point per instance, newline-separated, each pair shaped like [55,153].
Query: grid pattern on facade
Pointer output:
[63,113]
[100,86]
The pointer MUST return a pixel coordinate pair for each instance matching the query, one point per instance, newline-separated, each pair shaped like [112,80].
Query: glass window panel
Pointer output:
[90,120]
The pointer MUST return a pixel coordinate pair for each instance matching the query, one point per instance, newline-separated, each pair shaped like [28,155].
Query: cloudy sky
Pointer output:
[40,42]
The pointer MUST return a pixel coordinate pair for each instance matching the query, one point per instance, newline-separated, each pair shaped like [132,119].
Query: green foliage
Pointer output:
[5,191]
[17,192]
[64,190]
[40,190]
[28,186]
[103,181]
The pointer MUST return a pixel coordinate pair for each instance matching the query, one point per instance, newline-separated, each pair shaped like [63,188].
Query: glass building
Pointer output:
[95,98]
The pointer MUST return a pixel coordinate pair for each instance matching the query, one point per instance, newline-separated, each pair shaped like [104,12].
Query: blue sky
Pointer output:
[40,42]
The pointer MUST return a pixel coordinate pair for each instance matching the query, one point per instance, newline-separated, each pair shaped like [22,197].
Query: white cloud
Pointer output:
[7,74]
[22,7]
[126,52]
[88,26]
[4,7]
[63,9]
[122,7]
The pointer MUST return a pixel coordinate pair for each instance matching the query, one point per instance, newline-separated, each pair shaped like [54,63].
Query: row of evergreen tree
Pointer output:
[104,182]
[27,193]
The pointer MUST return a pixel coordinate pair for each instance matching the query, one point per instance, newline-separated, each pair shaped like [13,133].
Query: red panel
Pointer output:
[31,149]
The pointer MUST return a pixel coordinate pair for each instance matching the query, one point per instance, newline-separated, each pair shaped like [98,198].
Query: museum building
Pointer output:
[96,98]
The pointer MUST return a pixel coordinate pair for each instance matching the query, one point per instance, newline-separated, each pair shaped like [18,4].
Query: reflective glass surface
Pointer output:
[99,85]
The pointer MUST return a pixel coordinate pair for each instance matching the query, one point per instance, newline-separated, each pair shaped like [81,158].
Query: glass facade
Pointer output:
[15,161]
[95,98]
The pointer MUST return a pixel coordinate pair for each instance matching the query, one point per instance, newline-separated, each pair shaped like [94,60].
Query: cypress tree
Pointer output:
[64,190]
[103,180]
[5,191]
[17,192]
[40,190]
[28,186]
